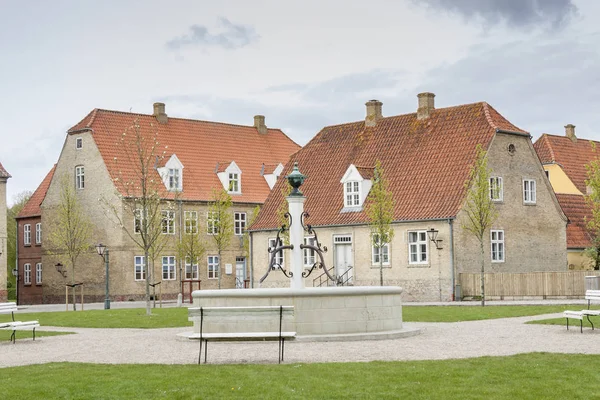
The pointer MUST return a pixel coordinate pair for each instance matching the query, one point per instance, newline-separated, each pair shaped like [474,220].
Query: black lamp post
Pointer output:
[103,252]
[432,234]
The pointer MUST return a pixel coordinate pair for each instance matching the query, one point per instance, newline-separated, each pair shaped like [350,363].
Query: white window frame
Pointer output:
[174,179]
[168,222]
[380,251]
[352,194]
[279,258]
[79,143]
[168,268]
[212,223]
[496,188]
[497,247]
[191,221]
[38,273]
[27,234]
[420,247]
[139,268]
[239,223]
[529,191]
[191,270]
[27,274]
[80,177]
[309,256]
[38,233]
[233,182]
[213,267]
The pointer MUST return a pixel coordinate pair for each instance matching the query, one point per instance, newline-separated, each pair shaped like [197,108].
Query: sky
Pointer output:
[303,64]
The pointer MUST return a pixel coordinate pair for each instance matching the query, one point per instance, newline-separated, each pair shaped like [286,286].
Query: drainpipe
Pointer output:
[450,223]
[180,239]
[16,260]
[251,257]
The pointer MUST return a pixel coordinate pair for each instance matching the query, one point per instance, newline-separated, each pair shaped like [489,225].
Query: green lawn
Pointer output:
[525,376]
[28,335]
[178,317]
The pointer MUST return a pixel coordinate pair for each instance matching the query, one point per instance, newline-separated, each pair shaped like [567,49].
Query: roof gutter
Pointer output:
[524,134]
[81,130]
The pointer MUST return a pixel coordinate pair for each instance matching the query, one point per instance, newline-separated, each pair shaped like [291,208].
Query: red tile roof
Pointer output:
[426,162]
[572,157]
[576,209]
[3,172]
[32,207]
[199,145]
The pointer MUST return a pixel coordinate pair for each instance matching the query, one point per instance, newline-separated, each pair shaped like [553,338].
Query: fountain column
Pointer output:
[296,208]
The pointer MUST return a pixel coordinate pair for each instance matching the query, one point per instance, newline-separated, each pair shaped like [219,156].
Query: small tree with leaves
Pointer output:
[19,202]
[191,248]
[70,230]
[593,201]
[479,207]
[380,211]
[282,210]
[220,223]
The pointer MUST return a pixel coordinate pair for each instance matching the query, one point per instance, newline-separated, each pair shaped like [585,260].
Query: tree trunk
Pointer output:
[219,269]
[147,266]
[380,268]
[482,273]
[73,288]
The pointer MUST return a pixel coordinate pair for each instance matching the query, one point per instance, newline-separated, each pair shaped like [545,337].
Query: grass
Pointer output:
[573,323]
[27,335]
[178,317]
[524,376]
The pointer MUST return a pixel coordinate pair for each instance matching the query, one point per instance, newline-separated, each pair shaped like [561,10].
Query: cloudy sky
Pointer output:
[303,64]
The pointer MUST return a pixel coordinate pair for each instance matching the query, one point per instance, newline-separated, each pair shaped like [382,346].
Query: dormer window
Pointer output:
[357,184]
[271,173]
[172,174]
[230,176]
[234,183]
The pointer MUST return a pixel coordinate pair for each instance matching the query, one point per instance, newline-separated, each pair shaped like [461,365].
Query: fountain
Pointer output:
[320,313]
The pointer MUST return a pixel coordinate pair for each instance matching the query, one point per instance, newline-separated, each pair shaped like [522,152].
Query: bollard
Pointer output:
[179,300]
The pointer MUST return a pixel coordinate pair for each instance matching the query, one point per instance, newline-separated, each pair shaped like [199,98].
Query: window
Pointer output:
[279,255]
[380,253]
[191,221]
[79,177]
[212,223]
[239,223]
[168,268]
[417,247]
[529,195]
[140,268]
[173,179]
[138,220]
[38,273]
[191,270]
[213,267]
[352,194]
[38,233]
[496,188]
[309,254]
[78,143]
[168,222]
[27,277]
[497,246]
[234,183]
[27,234]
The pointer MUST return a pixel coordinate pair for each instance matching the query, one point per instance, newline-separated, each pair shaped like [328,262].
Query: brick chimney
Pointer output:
[426,105]
[159,113]
[373,112]
[570,132]
[259,124]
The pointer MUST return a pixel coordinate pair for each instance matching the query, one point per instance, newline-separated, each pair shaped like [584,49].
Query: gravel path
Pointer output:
[496,337]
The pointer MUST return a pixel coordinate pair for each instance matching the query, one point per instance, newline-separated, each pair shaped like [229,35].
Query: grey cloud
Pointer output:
[517,13]
[233,36]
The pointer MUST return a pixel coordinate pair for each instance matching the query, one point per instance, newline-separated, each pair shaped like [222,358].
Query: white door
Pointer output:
[240,272]
[343,261]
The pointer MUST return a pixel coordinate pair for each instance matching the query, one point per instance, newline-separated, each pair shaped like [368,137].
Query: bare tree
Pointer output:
[220,223]
[70,230]
[191,248]
[380,210]
[479,206]
[19,201]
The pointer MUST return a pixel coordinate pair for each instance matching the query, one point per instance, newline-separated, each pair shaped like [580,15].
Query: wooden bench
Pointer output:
[241,324]
[590,295]
[10,308]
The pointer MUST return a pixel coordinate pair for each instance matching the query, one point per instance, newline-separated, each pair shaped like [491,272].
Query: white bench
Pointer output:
[590,295]
[241,324]
[10,308]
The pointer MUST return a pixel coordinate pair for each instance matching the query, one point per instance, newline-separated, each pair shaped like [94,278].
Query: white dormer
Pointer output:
[271,174]
[356,187]
[231,178]
[172,174]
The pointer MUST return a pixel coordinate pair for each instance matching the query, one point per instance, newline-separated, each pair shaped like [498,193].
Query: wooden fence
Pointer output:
[523,285]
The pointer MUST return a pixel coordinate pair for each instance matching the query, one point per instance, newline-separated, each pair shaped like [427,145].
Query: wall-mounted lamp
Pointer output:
[103,252]
[15,272]
[433,233]
[61,270]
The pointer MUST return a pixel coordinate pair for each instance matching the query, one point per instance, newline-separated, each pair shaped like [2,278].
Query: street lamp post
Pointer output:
[103,252]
